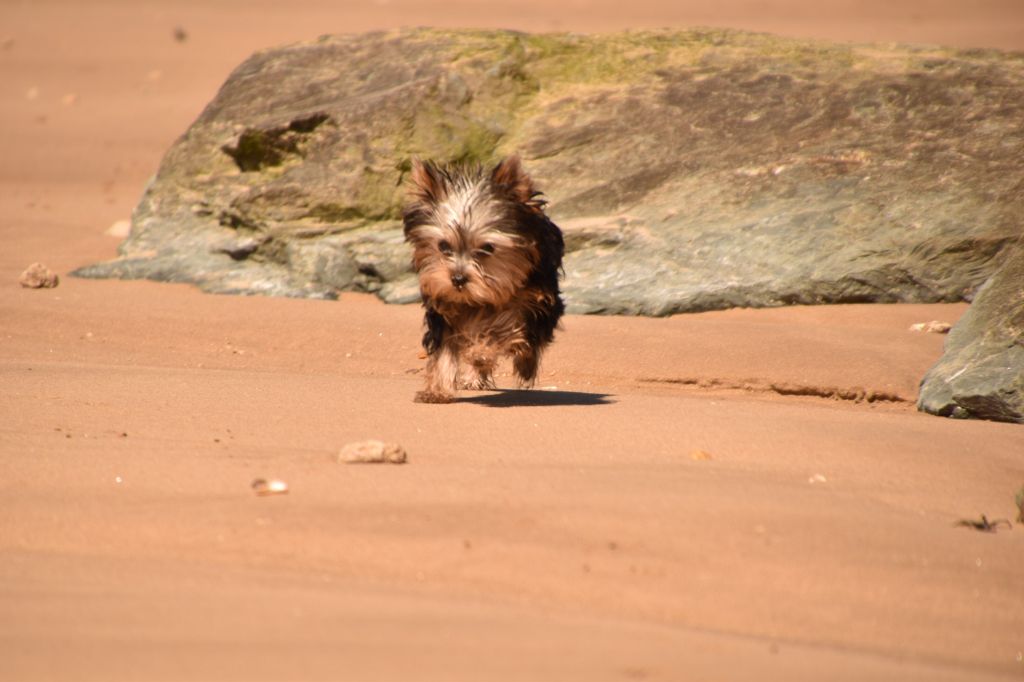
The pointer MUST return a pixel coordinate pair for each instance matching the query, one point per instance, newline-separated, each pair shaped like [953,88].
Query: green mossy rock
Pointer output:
[690,170]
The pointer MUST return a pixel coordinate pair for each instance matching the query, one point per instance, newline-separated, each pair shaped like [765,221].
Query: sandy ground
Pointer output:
[567,533]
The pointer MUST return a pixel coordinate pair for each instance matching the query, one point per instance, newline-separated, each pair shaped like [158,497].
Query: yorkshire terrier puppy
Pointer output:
[488,260]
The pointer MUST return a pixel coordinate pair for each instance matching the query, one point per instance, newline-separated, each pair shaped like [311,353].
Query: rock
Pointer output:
[691,170]
[119,228]
[38,276]
[933,327]
[372,452]
[981,372]
[264,487]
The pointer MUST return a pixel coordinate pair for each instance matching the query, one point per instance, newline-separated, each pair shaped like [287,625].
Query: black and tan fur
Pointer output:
[488,260]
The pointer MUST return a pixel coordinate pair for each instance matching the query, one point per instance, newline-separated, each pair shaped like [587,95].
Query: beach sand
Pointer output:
[746,494]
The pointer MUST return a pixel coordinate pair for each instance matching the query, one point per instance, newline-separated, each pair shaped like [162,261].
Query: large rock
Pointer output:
[690,170]
[981,373]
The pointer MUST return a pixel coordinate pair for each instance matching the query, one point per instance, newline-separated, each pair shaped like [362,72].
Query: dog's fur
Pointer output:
[488,260]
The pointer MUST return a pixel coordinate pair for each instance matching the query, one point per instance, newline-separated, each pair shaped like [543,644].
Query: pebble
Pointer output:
[933,327]
[263,487]
[120,228]
[372,452]
[38,276]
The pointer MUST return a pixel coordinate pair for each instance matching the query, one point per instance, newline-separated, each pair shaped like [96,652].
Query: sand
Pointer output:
[568,533]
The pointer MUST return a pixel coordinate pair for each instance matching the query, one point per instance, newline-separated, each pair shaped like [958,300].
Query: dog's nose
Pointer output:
[459,280]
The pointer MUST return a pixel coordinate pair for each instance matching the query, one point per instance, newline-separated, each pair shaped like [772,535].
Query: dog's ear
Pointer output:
[510,176]
[427,181]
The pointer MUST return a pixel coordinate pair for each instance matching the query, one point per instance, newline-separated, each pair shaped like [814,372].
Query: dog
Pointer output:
[488,260]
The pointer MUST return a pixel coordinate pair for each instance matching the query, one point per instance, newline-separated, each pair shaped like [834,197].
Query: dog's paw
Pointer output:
[478,384]
[433,397]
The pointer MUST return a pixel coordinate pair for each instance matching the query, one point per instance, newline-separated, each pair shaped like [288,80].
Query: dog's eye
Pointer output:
[485,250]
[444,247]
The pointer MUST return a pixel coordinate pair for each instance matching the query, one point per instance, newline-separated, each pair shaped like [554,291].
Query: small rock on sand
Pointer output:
[933,327]
[372,452]
[38,276]
[120,228]
[264,487]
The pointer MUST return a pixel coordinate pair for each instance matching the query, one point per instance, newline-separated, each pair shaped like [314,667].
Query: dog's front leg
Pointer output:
[442,374]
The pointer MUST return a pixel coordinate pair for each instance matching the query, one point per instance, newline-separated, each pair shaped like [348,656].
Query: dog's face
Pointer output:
[467,230]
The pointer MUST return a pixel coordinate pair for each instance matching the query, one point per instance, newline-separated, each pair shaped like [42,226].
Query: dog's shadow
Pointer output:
[523,398]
